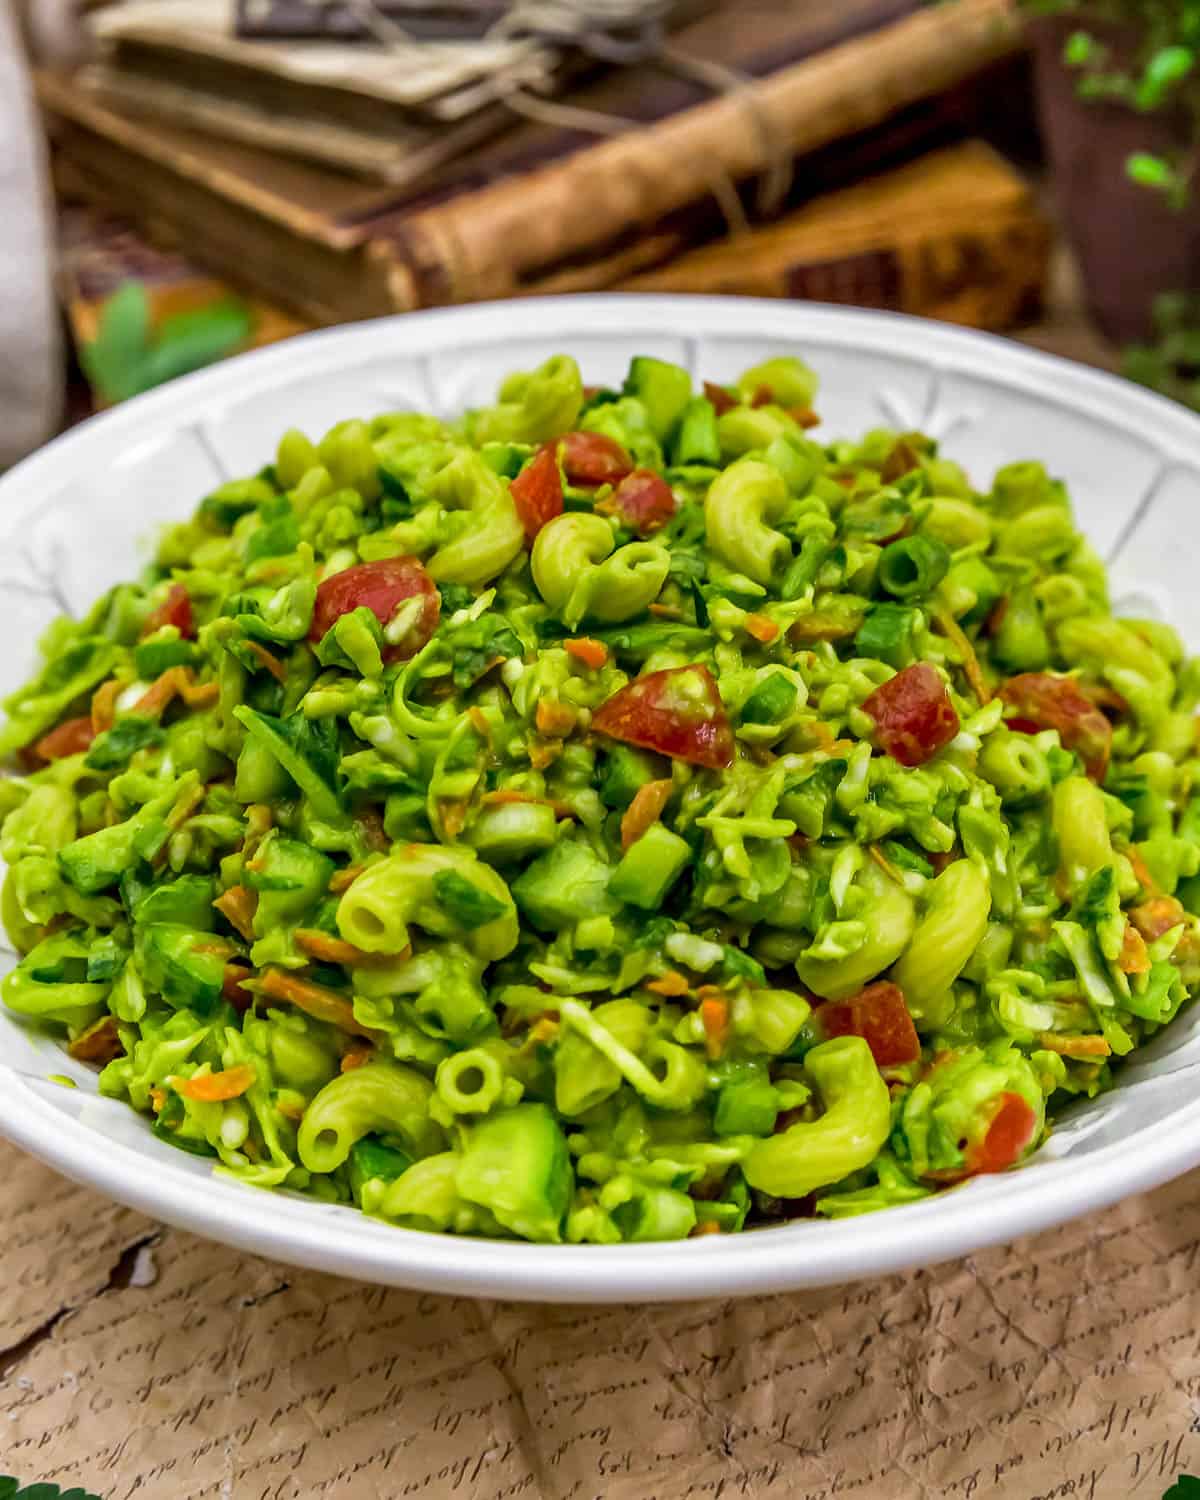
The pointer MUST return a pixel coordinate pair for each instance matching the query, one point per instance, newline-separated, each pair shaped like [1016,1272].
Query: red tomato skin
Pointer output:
[1009,1133]
[537,491]
[655,713]
[594,458]
[176,609]
[1045,701]
[380,587]
[880,1015]
[643,501]
[720,398]
[67,738]
[913,715]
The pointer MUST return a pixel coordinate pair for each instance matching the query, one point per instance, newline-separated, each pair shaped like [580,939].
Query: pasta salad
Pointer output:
[615,815]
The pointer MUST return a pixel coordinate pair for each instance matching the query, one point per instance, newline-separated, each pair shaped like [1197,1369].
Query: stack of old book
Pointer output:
[342,160]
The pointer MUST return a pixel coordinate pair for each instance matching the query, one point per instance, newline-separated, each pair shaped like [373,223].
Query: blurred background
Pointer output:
[190,178]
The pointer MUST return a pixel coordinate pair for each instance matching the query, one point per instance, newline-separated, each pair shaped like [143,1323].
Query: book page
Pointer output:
[143,1361]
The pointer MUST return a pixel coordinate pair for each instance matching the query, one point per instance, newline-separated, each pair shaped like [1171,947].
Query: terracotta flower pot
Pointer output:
[1130,243]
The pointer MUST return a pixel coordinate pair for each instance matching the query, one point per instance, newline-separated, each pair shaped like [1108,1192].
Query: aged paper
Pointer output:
[1067,1365]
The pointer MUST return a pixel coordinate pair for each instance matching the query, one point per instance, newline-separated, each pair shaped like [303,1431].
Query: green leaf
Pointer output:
[1168,66]
[1186,1487]
[189,341]
[1148,170]
[10,1489]
[1079,50]
[113,360]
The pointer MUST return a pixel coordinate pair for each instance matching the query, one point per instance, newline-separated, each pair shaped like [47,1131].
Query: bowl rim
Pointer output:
[335,1239]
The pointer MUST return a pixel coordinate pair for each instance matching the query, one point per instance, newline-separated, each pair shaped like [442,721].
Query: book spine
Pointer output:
[985,275]
[316,281]
[484,244]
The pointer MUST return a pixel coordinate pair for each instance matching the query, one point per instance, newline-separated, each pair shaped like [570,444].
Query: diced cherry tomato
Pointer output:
[1047,702]
[1158,915]
[881,1017]
[643,501]
[677,712]
[1009,1133]
[380,587]
[537,491]
[721,400]
[594,458]
[68,738]
[176,609]
[913,715]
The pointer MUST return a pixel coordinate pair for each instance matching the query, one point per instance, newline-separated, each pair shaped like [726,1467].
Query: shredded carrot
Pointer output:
[761,628]
[503,795]
[555,720]
[544,1029]
[1134,959]
[342,880]
[176,682]
[671,984]
[479,722]
[953,632]
[541,756]
[238,905]
[158,1097]
[215,1088]
[645,810]
[258,819]
[1153,918]
[355,1057]
[885,864]
[1139,867]
[270,661]
[100,1043]
[591,653]
[214,947]
[183,810]
[453,815]
[1074,1046]
[666,611]
[714,1014]
[314,999]
[707,1226]
[330,950]
[996,616]
[104,705]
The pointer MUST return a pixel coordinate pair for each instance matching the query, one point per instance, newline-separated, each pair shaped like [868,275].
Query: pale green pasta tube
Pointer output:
[446,892]
[955,920]
[844,1139]
[493,534]
[889,919]
[1084,845]
[378,1098]
[470,1082]
[741,502]
[534,406]
[577,577]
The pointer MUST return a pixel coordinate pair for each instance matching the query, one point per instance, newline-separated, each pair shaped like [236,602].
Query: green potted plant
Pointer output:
[1119,93]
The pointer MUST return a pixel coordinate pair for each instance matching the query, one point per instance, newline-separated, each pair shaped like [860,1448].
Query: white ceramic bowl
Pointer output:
[75,518]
